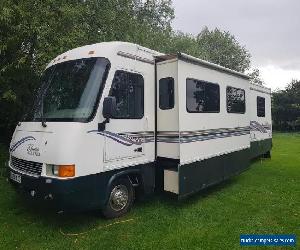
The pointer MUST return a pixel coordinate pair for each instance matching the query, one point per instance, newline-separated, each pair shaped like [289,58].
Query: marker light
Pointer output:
[66,170]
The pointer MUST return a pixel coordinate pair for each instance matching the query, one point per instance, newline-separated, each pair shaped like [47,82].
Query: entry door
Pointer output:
[124,134]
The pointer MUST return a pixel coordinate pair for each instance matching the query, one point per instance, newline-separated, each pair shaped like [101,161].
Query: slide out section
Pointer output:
[168,141]
[212,144]
[260,121]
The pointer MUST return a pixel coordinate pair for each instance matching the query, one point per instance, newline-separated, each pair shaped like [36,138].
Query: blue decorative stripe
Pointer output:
[20,142]
[202,135]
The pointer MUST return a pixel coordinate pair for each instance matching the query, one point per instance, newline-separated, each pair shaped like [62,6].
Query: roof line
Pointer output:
[135,57]
[195,60]
[260,86]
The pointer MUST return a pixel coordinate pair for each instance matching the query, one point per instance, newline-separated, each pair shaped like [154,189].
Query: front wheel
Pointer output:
[120,199]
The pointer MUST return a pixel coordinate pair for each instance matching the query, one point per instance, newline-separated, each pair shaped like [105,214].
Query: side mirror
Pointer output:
[109,107]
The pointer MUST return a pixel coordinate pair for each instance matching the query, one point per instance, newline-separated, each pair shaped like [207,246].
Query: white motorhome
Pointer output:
[115,120]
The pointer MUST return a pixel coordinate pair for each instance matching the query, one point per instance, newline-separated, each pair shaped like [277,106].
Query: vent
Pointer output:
[26,167]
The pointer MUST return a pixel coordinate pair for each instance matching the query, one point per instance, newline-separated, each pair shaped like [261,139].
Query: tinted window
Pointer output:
[166,93]
[128,88]
[202,97]
[261,109]
[235,100]
[70,90]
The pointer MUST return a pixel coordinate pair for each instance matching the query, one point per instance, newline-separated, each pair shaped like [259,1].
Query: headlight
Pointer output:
[60,170]
[55,170]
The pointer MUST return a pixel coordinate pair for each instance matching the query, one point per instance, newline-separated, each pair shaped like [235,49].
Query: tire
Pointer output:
[120,199]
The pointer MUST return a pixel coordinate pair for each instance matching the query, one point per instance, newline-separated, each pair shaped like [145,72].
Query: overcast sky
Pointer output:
[269,29]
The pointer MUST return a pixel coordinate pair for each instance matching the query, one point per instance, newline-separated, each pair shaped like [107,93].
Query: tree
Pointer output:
[33,32]
[222,48]
[286,107]
[215,46]
[182,42]
[255,77]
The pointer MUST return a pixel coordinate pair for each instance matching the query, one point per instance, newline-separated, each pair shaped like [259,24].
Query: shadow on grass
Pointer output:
[86,221]
[22,210]
[172,201]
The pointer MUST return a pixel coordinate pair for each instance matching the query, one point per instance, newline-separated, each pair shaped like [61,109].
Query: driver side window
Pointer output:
[128,89]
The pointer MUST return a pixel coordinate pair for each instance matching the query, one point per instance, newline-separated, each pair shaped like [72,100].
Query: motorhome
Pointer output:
[113,121]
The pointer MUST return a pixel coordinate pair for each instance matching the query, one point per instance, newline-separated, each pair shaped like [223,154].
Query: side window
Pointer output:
[236,102]
[261,108]
[166,93]
[202,97]
[128,88]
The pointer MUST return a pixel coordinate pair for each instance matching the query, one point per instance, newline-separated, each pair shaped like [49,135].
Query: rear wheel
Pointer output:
[120,199]
[267,155]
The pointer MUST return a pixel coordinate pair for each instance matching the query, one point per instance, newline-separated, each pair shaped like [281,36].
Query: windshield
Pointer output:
[70,90]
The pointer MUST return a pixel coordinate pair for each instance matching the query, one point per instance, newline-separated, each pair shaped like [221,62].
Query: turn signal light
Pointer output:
[66,170]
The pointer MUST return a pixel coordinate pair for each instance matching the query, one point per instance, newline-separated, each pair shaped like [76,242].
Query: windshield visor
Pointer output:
[70,91]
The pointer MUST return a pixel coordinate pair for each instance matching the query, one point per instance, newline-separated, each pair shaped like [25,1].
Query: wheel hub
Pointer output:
[119,197]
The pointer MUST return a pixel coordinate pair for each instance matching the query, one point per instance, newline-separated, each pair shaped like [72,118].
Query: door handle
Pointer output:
[140,149]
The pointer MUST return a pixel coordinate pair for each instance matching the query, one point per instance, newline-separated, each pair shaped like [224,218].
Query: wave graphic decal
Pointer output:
[256,126]
[137,138]
[20,142]
[127,139]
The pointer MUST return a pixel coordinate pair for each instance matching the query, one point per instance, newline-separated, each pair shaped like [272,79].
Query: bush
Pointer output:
[3,161]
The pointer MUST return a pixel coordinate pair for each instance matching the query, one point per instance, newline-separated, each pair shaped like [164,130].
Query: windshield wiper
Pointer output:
[42,112]
[32,107]
[44,89]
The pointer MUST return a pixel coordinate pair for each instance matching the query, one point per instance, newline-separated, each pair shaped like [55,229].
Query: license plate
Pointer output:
[15,177]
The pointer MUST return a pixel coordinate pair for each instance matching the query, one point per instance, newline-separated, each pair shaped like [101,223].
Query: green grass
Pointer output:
[262,200]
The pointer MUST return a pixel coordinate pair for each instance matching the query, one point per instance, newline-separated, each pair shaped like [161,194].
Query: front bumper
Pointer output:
[61,195]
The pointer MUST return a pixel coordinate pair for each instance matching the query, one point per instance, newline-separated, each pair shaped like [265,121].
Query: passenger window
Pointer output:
[128,88]
[202,96]
[166,93]
[261,108]
[235,100]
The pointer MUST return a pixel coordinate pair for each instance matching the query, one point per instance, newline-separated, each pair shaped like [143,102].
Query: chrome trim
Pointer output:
[23,173]
[26,167]
[36,131]
[119,197]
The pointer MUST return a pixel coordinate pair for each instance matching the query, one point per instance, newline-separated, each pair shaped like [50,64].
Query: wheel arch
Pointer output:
[128,173]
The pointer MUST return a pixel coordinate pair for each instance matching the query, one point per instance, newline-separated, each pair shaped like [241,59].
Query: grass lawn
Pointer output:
[262,200]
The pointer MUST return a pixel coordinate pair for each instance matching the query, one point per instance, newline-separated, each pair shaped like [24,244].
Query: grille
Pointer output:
[26,167]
